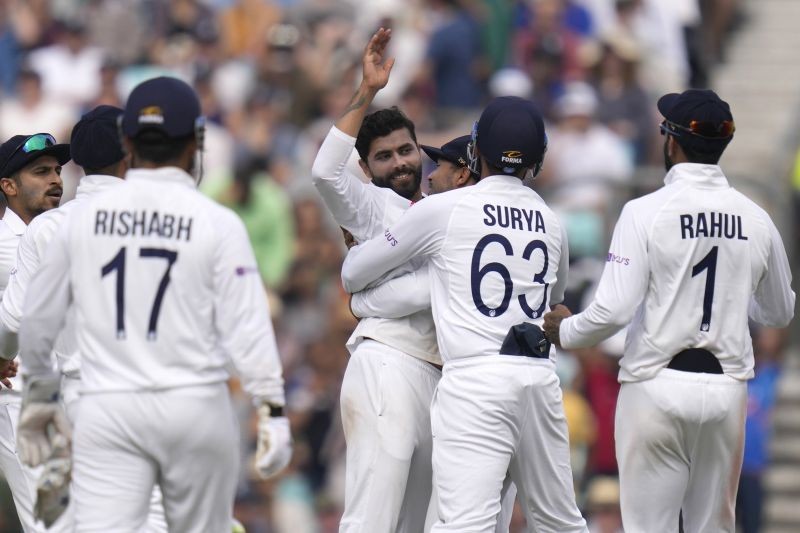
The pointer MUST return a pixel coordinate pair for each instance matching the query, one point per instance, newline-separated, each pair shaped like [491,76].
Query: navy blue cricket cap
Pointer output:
[510,134]
[20,150]
[454,151]
[164,104]
[95,141]
[698,118]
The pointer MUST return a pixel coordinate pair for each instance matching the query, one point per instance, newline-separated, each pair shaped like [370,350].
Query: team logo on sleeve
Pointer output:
[244,270]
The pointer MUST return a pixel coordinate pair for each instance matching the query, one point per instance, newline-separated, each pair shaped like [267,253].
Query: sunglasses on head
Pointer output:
[700,128]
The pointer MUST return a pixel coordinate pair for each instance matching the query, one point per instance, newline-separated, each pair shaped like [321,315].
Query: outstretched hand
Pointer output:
[552,323]
[376,66]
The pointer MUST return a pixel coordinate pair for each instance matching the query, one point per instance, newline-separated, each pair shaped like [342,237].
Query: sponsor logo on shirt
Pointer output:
[614,258]
[244,270]
[390,238]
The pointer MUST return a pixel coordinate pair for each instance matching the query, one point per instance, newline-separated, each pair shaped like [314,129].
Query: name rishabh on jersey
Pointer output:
[168,288]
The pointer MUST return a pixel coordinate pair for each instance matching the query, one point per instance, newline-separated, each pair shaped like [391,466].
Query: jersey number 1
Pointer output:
[118,264]
[709,262]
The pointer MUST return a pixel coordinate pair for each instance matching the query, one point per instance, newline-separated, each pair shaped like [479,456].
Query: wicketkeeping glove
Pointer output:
[43,425]
[52,490]
[274,443]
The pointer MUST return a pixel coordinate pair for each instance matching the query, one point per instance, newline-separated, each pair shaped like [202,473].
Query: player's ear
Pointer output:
[463,177]
[8,186]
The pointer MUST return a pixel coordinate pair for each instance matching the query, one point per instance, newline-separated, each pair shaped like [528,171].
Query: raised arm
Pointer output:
[356,205]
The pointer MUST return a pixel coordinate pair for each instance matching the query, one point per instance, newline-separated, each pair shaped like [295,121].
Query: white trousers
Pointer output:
[385,403]
[186,440]
[496,415]
[680,440]
[156,520]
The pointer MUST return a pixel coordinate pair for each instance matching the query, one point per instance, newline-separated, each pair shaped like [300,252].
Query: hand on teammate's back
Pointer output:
[552,323]
[274,449]
[8,369]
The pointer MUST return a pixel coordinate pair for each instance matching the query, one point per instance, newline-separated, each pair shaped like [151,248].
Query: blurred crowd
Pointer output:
[273,75]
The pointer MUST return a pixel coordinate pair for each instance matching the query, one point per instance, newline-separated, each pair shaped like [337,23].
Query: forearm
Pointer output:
[398,297]
[590,327]
[353,116]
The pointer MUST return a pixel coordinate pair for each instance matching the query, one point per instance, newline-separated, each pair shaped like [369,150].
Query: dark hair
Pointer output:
[703,152]
[380,124]
[156,147]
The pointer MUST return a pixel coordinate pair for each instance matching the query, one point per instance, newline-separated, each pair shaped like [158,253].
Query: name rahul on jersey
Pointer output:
[712,224]
[142,223]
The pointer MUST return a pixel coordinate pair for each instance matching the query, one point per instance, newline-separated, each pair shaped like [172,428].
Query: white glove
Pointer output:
[52,490]
[274,443]
[43,425]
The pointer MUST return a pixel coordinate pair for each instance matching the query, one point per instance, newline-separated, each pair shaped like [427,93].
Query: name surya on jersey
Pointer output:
[142,223]
[712,225]
[514,218]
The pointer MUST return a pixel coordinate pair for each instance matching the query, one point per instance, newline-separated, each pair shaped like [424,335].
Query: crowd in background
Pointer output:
[273,75]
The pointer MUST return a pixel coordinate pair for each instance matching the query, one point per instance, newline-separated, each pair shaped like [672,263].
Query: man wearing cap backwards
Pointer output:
[30,168]
[94,146]
[688,266]
[497,257]
[162,278]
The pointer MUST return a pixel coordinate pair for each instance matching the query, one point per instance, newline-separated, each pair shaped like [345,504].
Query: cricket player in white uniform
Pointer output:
[393,368]
[30,167]
[165,288]
[497,258]
[688,266]
[94,146]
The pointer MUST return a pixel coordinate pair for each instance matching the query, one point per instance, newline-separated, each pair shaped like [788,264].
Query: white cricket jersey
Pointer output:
[687,264]
[365,210]
[497,257]
[161,276]
[31,250]
[11,230]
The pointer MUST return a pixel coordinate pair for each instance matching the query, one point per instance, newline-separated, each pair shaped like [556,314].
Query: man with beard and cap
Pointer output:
[689,265]
[30,178]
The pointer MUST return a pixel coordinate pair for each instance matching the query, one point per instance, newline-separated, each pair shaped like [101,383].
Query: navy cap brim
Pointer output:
[666,103]
[435,153]
[60,151]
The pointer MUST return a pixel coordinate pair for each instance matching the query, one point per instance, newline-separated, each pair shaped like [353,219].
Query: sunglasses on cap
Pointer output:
[34,143]
[700,128]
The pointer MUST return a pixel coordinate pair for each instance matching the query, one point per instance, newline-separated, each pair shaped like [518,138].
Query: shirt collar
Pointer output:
[696,173]
[13,222]
[95,183]
[162,174]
